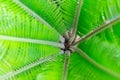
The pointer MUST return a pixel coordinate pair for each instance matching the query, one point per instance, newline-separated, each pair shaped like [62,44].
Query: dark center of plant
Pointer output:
[67,44]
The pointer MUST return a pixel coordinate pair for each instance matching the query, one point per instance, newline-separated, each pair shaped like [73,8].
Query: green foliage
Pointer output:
[31,31]
[58,13]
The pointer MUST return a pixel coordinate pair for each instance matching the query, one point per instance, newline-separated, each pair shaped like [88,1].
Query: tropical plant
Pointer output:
[59,40]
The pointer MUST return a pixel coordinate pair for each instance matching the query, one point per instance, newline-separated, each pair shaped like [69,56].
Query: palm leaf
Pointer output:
[102,48]
[80,68]
[57,13]
[30,47]
[93,16]
[22,45]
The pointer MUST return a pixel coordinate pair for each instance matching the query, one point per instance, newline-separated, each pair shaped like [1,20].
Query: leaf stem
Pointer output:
[103,27]
[66,64]
[93,62]
[75,22]
[34,41]
[31,12]
[25,68]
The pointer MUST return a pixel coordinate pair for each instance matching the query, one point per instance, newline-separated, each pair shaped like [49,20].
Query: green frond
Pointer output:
[52,70]
[93,16]
[81,69]
[103,48]
[104,53]
[58,13]
[35,71]
[30,33]
[20,34]
[14,21]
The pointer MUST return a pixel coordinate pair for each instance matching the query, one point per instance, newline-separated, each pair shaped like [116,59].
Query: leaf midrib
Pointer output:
[34,14]
[34,41]
[26,67]
[41,19]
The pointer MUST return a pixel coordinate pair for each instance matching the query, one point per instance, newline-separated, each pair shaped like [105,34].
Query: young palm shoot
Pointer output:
[70,39]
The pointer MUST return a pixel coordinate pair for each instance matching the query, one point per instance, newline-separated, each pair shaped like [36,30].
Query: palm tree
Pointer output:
[59,40]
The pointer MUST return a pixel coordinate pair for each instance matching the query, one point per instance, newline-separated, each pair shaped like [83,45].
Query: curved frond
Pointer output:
[41,69]
[23,40]
[81,69]
[103,48]
[25,68]
[29,45]
[93,16]
[57,13]
[104,53]
[52,70]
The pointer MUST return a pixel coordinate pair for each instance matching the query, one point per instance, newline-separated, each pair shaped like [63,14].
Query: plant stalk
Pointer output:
[103,27]
[75,23]
[93,62]
[66,65]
